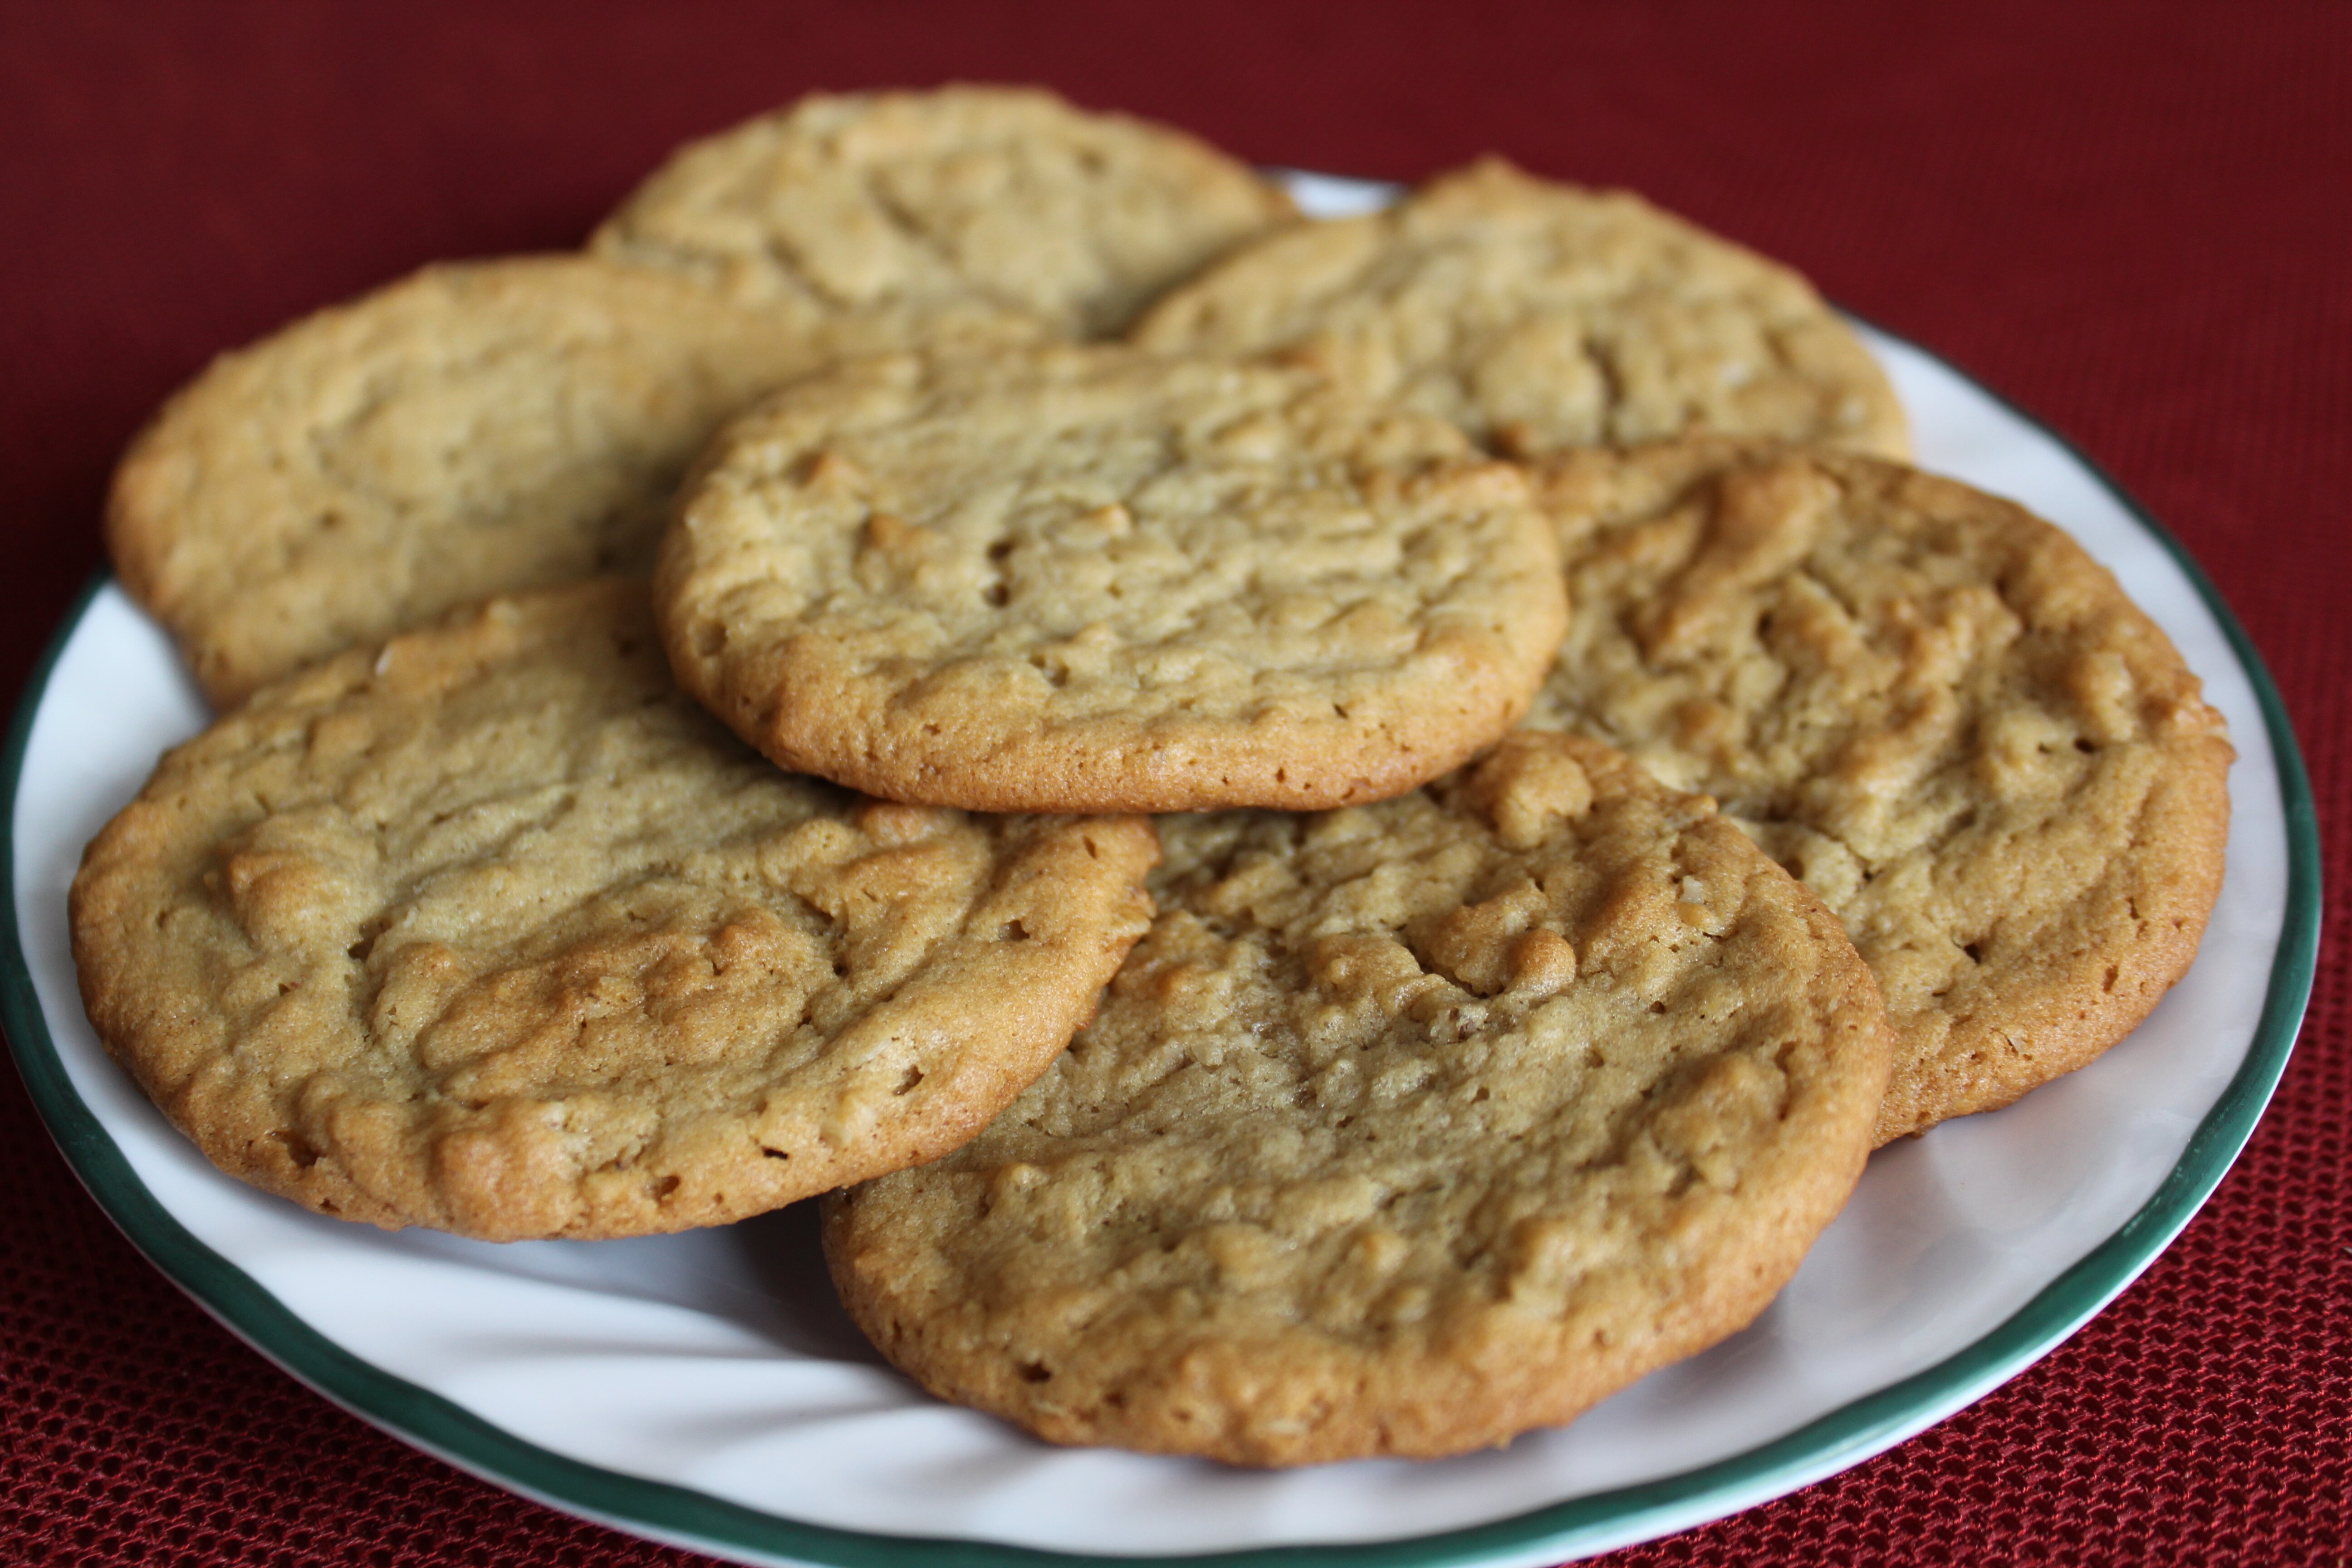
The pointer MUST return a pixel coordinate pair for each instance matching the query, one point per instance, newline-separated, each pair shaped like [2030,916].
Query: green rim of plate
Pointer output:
[681,1516]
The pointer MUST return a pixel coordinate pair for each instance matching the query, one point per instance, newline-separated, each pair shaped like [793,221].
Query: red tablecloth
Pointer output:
[2134,218]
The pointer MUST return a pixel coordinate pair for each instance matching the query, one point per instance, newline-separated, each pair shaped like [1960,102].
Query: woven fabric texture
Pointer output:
[2132,218]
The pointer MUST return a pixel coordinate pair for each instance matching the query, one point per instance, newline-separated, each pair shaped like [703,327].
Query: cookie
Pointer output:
[476,428]
[1541,316]
[1933,708]
[1074,578]
[1003,194]
[1407,1128]
[493,930]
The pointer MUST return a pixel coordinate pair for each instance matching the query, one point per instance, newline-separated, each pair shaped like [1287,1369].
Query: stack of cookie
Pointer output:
[600,839]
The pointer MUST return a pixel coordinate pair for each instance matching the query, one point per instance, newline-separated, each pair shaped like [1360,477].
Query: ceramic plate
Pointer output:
[705,1389]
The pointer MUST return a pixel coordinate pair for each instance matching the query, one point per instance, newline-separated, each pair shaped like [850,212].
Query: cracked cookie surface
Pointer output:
[492,930]
[1074,578]
[1407,1128]
[1541,316]
[480,428]
[1003,195]
[1933,706]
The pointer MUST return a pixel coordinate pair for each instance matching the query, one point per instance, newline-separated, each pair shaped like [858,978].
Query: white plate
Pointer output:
[705,1389]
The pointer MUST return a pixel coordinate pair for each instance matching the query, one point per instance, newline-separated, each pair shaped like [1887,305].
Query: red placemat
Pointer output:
[2137,219]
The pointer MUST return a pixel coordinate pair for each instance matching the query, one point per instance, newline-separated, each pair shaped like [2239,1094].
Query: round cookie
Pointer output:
[493,930]
[476,428]
[1074,578]
[1933,708]
[1407,1129]
[1004,195]
[1541,316]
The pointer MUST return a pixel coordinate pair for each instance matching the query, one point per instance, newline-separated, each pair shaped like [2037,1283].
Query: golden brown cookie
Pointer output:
[1407,1128]
[1541,316]
[480,428]
[1001,194]
[1076,578]
[493,930]
[1931,706]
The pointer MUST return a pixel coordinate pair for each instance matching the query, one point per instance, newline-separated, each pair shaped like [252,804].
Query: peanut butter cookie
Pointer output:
[1409,1127]
[478,428]
[1068,578]
[1006,195]
[1931,706]
[492,930]
[1541,316]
